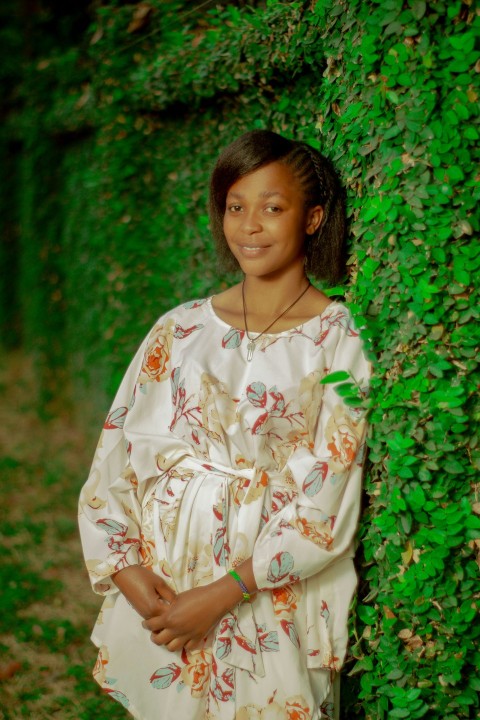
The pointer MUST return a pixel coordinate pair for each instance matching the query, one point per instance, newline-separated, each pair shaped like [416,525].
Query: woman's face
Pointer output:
[266,220]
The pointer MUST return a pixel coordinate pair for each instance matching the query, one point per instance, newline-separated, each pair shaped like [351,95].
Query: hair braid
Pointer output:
[325,249]
[317,166]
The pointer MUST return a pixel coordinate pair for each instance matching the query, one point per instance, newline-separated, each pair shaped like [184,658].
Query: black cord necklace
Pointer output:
[253,340]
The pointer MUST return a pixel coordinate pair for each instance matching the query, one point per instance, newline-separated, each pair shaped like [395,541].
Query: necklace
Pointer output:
[253,340]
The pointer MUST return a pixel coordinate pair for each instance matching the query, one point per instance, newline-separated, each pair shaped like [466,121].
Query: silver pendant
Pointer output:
[250,349]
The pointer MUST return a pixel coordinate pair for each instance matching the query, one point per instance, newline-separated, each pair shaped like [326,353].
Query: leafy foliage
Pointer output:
[121,132]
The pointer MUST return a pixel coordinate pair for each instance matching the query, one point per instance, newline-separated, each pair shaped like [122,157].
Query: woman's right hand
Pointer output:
[143,589]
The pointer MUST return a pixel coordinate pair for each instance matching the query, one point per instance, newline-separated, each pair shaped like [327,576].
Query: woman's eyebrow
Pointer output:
[264,194]
[271,193]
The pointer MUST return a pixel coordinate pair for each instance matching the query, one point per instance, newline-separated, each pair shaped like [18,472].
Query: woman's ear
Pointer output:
[314,219]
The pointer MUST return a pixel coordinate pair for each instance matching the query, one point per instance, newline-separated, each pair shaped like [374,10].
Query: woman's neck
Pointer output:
[269,296]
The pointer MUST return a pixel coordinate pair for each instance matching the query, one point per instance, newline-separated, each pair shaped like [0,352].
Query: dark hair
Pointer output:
[324,250]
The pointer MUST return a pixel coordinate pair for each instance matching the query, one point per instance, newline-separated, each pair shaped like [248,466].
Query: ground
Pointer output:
[47,608]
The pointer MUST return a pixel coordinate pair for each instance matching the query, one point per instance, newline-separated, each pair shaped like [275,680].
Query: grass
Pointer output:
[47,609]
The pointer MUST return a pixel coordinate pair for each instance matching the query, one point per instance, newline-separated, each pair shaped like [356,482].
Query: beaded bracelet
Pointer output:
[243,587]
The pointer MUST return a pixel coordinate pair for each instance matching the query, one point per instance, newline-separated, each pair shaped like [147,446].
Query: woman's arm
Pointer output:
[318,526]
[110,506]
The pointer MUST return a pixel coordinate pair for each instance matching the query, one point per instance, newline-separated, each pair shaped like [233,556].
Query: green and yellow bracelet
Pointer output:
[243,587]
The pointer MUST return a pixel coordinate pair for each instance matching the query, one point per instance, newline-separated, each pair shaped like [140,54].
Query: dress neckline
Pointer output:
[216,317]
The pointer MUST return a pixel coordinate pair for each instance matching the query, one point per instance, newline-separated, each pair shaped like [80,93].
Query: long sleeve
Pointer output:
[110,506]
[318,526]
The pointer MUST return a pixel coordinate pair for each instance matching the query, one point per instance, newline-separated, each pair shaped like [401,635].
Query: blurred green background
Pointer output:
[113,115]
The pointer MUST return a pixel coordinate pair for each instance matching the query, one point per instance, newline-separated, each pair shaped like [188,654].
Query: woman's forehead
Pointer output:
[276,178]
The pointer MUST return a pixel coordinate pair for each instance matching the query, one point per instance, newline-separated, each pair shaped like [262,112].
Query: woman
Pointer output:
[219,515]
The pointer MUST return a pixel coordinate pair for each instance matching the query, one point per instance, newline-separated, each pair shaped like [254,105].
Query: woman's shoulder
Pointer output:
[339,315]
[344,339]
[182,322]
[188,310]
[336,310]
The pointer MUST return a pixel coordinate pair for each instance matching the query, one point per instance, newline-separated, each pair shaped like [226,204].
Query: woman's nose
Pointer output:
[251,223]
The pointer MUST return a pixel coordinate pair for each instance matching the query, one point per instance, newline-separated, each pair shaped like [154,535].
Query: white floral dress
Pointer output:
[207,459]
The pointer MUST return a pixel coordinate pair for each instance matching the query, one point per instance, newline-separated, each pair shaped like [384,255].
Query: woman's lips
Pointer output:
[252,250]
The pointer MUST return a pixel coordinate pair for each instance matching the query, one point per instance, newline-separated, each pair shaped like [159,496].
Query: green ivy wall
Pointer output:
[118,133]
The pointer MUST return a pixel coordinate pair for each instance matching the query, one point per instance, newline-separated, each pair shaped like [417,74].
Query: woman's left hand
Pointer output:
[186,621]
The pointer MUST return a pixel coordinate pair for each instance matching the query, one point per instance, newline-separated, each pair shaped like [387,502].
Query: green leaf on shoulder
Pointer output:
[347,388]
[339,376]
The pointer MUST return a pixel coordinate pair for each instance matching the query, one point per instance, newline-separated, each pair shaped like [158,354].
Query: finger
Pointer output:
[163,637]
[154,624]
[168,639]
[177,643]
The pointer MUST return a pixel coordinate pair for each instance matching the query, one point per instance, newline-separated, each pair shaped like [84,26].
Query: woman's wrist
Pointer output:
[230,591]
[245,572]
[245,592]
[128,576]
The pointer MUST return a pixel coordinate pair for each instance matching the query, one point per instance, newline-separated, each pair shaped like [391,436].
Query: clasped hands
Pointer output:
[180,620]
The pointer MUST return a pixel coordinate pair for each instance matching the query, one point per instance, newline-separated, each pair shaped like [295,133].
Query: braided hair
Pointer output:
[324,249]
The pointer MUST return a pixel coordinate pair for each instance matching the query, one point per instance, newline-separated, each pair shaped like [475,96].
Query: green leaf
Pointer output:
[366,663]
[464,42]
[367,614]
[454,467]
[353,401]
[337,290]
[338,376]
[347,389]
[394,98]
[471,133]
[400,442]
[419,9]
[461,276]
[369,266]
[394,28]
[475,684]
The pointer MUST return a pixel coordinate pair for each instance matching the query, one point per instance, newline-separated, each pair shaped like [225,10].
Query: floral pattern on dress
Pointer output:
[207,459]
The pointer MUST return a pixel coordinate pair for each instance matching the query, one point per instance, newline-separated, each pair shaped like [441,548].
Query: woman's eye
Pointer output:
[234,208]
[273,209]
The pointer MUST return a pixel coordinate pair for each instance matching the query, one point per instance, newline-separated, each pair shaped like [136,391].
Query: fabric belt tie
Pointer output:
[236,642]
